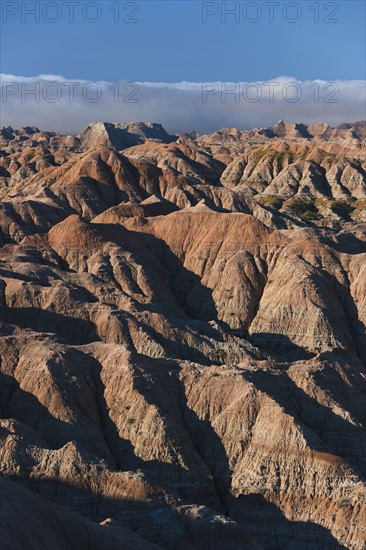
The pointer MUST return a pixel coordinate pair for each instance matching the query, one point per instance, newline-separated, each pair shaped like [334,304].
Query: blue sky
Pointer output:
[170,42]
[176,47]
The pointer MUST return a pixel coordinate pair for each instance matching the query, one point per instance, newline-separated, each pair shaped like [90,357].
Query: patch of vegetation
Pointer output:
[281,156]
[305,208]
[131,421]
[67,169]
[298,206]
[272,201]
[310,216]
[30,156]
[321,202]
[258,155]
[342,208]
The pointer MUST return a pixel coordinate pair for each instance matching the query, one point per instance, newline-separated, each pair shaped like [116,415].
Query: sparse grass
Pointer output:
[272,201]
[298,206]
[342,207]
[304,208]
[281,156]
[321,202]
[66,169]
[310,216]
[259,154]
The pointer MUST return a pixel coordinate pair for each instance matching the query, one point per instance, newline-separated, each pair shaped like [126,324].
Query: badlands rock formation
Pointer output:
[183,347]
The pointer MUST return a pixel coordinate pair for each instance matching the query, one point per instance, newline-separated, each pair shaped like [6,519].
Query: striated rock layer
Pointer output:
[182,338]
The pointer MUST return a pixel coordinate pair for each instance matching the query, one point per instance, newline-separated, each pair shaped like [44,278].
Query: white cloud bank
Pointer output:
[53,102]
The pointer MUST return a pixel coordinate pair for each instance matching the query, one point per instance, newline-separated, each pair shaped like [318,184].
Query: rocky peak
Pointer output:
[121,135]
